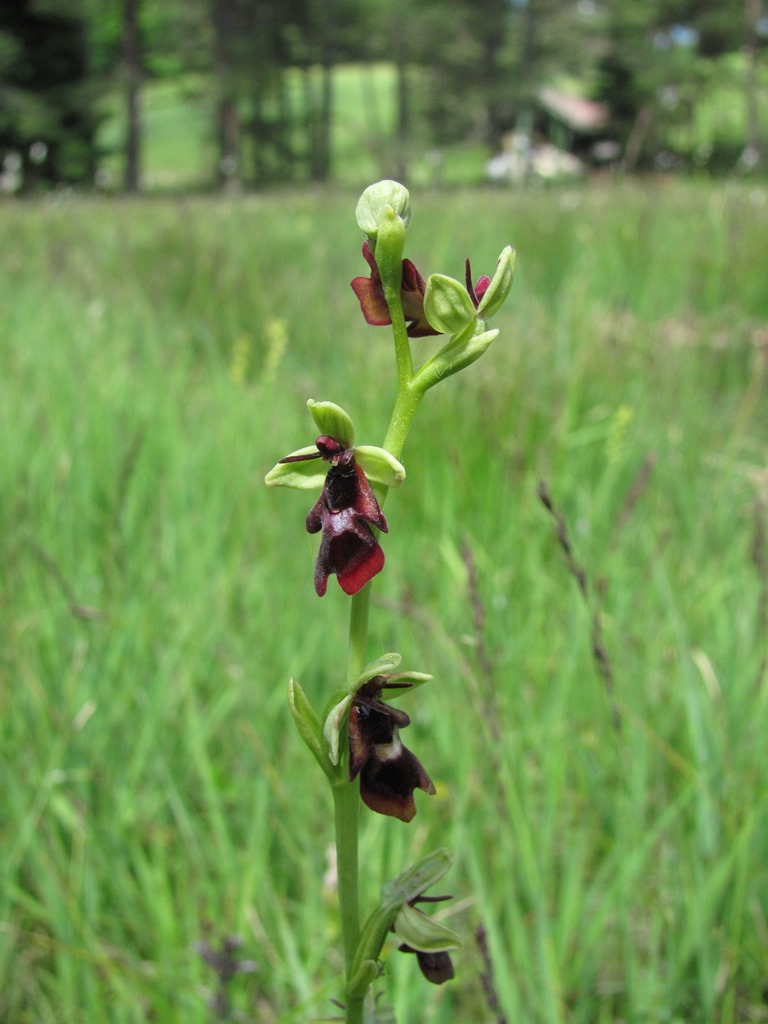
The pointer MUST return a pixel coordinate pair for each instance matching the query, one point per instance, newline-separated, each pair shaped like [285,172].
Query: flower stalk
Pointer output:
[346,813]
[346,801]
[357,743]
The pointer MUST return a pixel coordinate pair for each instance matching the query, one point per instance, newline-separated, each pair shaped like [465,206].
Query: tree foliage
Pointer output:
[465,69]
[47,112]
[655,58]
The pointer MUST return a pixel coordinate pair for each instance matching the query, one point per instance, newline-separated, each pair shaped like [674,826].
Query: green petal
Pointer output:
[379,466]
[333,421]
[422,933]
[334,723]
[501,282]
[303,475]
[447,305]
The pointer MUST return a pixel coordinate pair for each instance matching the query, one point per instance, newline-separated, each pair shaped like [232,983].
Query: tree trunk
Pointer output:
[322,161]
[228,133]
[285,156]
[637,137]
[493,37]
[322,113]
[132,72]
[752,153]
[225,29]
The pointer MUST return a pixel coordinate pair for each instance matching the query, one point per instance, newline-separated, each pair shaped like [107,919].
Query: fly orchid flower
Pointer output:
[450,306]
[370,294]
[389,772]
[347,508]
[345,512]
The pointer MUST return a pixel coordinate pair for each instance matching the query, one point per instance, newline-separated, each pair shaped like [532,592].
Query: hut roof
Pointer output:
[578,113]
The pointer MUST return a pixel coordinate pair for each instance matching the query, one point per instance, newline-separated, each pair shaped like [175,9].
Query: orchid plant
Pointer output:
[356,740]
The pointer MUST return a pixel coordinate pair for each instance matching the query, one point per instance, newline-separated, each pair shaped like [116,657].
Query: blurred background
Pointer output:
[597,723]
[124,95]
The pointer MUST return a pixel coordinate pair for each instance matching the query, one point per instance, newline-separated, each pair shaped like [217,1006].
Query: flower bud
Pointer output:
[373,201]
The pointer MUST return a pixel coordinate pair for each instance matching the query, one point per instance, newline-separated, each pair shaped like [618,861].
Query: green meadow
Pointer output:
[598,750]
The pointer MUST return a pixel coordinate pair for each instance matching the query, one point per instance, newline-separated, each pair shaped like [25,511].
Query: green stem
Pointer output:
[407,403]
[345,794]
[358,633]
[402,342]
[408,397]
[346,802]
[355,1010]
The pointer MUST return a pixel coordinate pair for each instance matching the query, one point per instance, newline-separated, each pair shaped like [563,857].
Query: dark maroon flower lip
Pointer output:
[389,772]
[436,967]
[370,294]
[345,512]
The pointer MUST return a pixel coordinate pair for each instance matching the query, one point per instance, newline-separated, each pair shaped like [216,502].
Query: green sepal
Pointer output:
[334,723]
[380,667]
[417,878]
[372,202]
[363,978]
[447,305]
[385,666]
[462,350]
[308,725]
[333,421]
[307,475]
[501,282]
[379,466]
[394,895]
[417,930]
